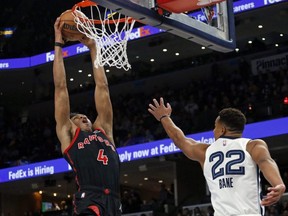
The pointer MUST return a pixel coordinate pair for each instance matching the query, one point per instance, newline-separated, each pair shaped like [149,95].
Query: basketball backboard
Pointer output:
[217,35]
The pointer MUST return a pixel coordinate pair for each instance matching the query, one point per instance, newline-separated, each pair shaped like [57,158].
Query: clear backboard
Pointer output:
[192,24]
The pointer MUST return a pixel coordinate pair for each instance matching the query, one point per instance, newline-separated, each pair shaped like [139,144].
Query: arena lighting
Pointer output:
[285,101]
[7,32]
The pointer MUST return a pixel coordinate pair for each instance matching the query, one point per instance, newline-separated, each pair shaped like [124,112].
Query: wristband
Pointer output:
[58,44]
[163,116]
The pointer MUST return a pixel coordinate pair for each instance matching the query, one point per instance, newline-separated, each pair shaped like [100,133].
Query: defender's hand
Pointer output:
[274,195]
[158,109]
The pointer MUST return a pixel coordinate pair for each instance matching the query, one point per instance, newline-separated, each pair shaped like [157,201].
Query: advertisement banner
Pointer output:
[270,64]
[146,150]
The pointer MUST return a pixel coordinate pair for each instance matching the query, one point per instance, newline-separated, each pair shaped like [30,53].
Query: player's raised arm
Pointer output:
[62,106]
[190,147]
[102,99]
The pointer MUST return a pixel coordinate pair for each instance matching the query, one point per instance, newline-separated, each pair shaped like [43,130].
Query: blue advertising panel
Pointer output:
[14,63]
[146,150]
[238,7]
[34,170]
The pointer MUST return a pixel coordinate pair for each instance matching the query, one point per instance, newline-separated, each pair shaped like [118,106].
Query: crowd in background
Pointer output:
[260,97]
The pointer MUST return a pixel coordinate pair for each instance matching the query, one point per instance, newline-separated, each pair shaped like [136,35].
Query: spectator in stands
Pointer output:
[284,206]
[197,212]
[186,212]
[179,212]
[136,201]
[88,148]
[164,197]
[210,211]
[230,163]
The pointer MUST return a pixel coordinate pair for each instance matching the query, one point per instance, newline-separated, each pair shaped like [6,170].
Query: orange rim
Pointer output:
[87,3]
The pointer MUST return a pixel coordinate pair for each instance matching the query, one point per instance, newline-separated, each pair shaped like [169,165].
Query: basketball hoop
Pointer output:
[109,29]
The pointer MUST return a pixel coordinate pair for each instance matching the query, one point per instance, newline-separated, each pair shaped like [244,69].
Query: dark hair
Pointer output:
[72,114]
[233,118]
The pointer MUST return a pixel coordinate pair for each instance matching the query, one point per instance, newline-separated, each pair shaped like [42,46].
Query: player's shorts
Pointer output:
[93,201]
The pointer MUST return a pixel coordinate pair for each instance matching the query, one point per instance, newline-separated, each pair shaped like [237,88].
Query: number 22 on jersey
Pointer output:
[227,164]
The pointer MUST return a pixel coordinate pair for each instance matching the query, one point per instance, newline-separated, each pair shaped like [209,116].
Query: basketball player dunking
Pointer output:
[88,148]
[231,164]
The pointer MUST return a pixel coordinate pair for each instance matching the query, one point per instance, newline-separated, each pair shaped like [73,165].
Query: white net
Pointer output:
[111,33]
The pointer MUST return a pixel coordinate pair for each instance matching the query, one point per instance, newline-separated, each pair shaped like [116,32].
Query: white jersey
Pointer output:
[233,178]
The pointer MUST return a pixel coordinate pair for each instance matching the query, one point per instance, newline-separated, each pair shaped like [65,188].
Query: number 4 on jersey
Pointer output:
[101,157]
